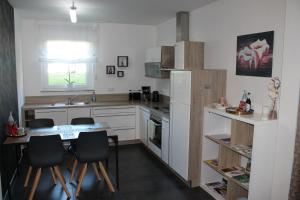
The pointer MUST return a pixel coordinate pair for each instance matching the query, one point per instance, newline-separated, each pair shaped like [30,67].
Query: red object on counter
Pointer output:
[12,129]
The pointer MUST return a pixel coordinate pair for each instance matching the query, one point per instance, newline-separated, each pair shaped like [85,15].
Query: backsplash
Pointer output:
[51,99]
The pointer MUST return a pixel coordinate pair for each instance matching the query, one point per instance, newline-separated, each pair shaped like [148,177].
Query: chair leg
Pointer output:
[106,177]
[80,171]
[28,176]
[81,177]
[53,175]
[69,163]
[62,181]
[73,170]
[35,183]
[96,171]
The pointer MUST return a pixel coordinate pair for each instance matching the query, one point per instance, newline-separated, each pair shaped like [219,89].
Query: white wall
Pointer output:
[113,40]
[218,25]
[289,103]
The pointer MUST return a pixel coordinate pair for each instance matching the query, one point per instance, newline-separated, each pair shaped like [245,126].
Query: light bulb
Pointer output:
[73,14]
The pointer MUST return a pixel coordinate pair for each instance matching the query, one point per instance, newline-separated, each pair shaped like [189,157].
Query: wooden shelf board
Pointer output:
[213,193]
[227,177]
[219,141]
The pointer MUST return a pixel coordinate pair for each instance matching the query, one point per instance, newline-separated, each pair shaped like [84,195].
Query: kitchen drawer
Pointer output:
[117,121]
[98,111]
[124,134]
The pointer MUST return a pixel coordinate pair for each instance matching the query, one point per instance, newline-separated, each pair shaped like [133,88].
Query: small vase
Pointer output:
[273,112]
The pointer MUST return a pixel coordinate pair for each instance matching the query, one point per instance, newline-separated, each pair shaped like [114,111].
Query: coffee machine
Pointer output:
[146,93]
[155,96]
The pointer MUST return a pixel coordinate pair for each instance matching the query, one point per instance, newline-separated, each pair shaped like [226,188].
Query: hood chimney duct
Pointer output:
[182,26]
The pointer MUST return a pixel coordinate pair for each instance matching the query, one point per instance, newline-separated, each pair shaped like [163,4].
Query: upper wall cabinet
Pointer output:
[163,55]
[189,55]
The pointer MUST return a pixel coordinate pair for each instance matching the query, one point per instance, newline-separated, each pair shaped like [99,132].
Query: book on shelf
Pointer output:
[235,173]
[219,186]
[226,140]
[220,136]
[243,149]
[213,162]
[243,179]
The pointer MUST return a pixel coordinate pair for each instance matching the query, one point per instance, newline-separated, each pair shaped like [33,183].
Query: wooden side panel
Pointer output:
[194,55]
[207,87]
[228,158]
[167,57]
[241,133]
[234,191]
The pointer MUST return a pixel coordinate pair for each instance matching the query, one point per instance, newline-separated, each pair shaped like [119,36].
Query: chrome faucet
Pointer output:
[71,99]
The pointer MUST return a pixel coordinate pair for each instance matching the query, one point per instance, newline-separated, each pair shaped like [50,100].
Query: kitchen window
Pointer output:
[67,65]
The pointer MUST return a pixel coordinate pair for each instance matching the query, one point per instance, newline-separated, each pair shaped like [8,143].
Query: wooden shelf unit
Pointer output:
[222,133]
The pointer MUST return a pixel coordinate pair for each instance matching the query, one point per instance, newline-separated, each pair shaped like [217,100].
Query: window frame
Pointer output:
[90,75]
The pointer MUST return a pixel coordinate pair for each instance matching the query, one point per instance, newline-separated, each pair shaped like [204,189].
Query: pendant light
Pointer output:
[73,14]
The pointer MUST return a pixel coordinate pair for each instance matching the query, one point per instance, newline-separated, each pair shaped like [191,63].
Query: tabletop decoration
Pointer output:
[273,88]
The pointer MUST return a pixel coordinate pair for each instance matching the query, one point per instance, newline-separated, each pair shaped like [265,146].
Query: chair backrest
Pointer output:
[92,143]
[41,123]
[44,147]
[82,120]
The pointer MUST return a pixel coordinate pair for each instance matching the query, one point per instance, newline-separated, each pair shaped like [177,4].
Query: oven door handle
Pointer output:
[155,123]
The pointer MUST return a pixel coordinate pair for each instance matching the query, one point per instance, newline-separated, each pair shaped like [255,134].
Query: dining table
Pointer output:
[67,133]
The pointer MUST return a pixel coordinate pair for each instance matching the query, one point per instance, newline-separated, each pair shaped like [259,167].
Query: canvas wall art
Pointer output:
[255,54]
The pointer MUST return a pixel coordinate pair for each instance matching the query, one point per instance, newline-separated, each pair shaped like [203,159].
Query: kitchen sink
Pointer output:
[72,104]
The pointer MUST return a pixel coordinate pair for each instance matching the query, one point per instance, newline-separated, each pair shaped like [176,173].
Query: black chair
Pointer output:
[46,152]
[82,121]
[41,123]
[72,147]
[38,123]
[92,147]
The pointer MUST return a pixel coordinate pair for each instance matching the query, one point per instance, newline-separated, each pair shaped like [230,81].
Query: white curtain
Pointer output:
[67,32]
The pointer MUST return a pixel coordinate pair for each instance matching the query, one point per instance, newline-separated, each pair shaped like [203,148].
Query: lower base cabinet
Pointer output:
[59,116]
[121,119]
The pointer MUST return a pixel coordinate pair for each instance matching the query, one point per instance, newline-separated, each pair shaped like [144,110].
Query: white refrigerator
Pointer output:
[180,103]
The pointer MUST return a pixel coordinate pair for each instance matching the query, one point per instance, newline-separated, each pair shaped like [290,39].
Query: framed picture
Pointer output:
[255,54]
[122,61]
[120,74]
[110,69]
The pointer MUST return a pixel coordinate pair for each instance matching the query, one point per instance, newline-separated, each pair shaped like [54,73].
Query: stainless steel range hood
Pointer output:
[182,26]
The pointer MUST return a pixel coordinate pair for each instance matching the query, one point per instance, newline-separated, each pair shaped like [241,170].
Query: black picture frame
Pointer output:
[120,74]
[122,61]
[110,69]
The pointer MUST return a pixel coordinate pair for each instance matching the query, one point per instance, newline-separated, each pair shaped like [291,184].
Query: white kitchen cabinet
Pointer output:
[78,112]
[59,116]
[179,55]
[153,54]
[143,123]
[181,86]
[179,139]
[190,91]
[121,119]
[165,140]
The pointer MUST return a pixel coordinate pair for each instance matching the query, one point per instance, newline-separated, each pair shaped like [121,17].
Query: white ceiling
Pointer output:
[148,12]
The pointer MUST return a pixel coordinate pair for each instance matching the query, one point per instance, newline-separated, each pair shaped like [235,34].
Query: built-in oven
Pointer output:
[154,134]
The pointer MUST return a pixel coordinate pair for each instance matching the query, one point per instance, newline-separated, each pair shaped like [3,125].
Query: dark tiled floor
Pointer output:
[142,177]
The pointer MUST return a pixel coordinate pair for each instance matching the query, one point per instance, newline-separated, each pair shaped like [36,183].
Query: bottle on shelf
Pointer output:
[248,102]
[94,99]
[242,105]
[11,120]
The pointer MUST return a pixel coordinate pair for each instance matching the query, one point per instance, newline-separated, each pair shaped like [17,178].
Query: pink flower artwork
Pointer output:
[255,54]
